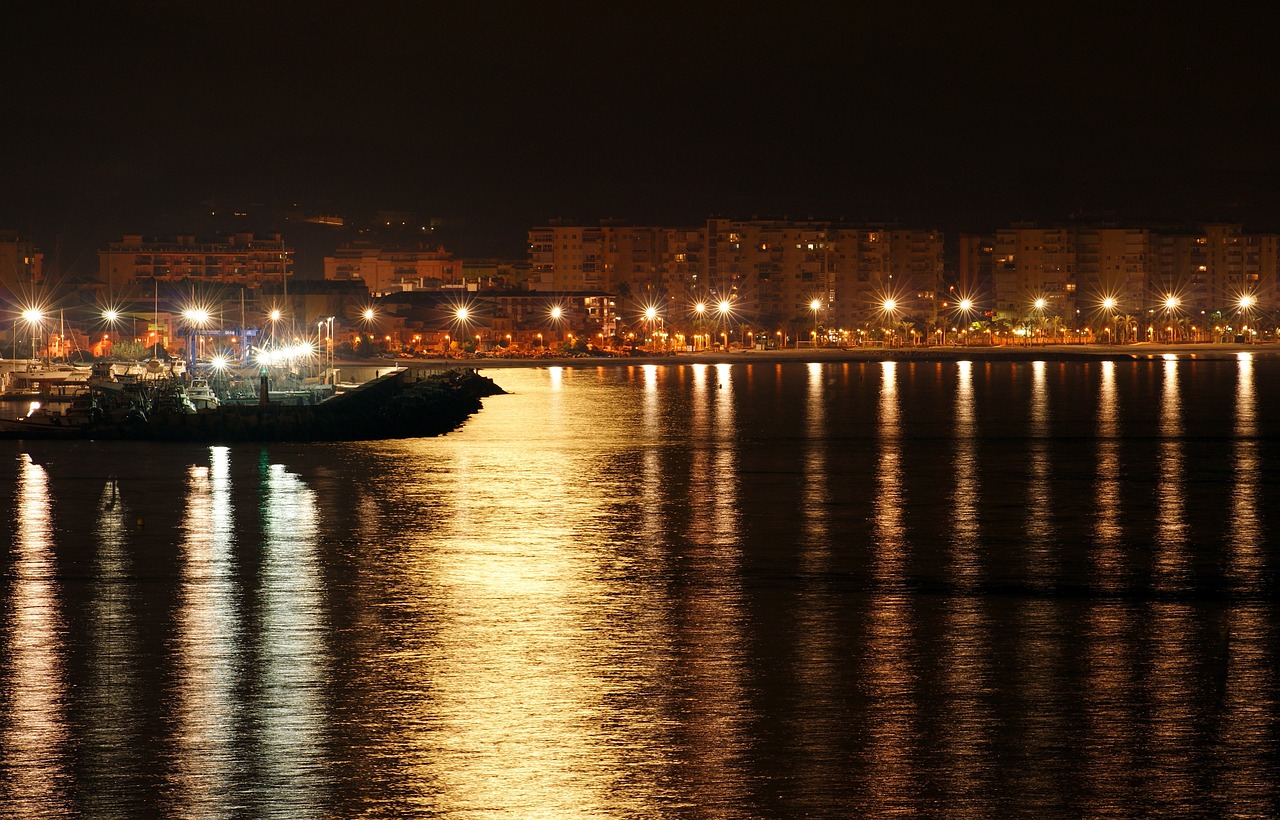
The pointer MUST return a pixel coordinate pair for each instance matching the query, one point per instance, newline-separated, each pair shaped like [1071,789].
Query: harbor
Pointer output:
[163,403]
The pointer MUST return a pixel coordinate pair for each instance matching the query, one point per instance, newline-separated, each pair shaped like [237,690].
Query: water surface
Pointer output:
[666,591]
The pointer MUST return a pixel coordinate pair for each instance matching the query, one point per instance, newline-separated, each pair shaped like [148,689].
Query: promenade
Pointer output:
[1086,352]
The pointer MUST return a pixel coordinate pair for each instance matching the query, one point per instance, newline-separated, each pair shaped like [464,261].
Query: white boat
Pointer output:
[45,421]
[202,395]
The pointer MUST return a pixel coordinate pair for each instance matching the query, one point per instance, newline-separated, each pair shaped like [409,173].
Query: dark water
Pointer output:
[983,589]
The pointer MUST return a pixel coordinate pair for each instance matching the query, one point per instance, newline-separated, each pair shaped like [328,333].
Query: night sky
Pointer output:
[961,117]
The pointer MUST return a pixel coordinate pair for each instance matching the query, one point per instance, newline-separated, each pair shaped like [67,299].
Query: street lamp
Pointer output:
[815,305]
[34,317]
[699,321]
[274,316]
[1170,305]
[1039,305]
[1109,305]
[889,308]
[651,317]
[1246,303]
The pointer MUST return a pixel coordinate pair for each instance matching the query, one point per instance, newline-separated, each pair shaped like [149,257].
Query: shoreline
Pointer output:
[824,355]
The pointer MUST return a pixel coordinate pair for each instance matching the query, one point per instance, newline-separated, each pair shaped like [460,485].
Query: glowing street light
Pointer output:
[1246,303]
[1109,305]
[196,318]
[1171,304]
[815,305]
[34,317]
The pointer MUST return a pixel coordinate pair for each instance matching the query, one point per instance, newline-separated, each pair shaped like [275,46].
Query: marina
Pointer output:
[401,403]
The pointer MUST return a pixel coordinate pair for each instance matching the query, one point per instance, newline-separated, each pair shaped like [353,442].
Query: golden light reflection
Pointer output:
[207,644]
[1172,562]
[555,403]
[966,529]
[652,414]
[1111,722]
[35,738]
[1042,552]
[115,691]
[890,677]
[717,719]
[817,619]
[1246,561]
[536,634]
[290,718]
[890,533]
[1246,735]
[815,472]
[1042,672]
[1173,686]
[1108,531]
[968,732]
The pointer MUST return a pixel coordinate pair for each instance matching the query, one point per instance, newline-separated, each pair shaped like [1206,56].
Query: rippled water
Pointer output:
[664,591]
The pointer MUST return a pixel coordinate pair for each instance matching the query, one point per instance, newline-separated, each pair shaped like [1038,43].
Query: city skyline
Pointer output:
[498,119]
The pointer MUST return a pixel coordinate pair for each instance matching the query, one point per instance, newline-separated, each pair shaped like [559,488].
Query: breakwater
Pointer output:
[404,404]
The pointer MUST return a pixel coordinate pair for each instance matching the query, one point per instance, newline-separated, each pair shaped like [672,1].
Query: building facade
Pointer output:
[244,259]
[390,269]
[1086,275]
[21,265]
[773,272]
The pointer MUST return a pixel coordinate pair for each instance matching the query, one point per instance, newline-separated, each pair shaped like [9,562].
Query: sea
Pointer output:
[742,590]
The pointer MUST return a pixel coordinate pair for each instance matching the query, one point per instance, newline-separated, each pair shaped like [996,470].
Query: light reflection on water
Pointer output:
[36,779]
[767,590]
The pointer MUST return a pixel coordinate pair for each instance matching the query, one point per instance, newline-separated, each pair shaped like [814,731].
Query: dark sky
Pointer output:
[964,115]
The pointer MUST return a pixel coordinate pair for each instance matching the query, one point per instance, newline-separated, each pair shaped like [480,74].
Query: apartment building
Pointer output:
[243,259]
[567,257]
[773,271]
[389,269]
[21,265]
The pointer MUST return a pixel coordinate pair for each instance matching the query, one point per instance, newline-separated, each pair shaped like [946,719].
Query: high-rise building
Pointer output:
[243,259]
[389,269]
[773,272]
[21,265]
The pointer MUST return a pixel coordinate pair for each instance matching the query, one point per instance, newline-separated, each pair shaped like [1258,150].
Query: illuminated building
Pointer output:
[391,269]
[243,259]
[20,264]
